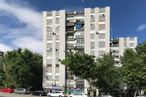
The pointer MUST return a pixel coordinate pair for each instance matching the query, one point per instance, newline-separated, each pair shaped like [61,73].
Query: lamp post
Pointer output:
[65,85]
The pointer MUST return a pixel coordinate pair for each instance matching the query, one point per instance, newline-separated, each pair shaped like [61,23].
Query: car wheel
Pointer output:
[49,95]
[60,96]
[40,94]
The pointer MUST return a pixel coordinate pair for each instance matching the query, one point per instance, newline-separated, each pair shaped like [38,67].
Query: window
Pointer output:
[101,27]
[92,10]
[101,10]
[131,38]
[79,36]
[57,68]
[57,53]
[92,18]
[49,61]
[92,27]
[49,29]
[49,36]
[101,36]
[48,77]
[92,52]
[56,77]
[125,42]
[57,13]
[49,45]
[57,29]
[101,17]
[101,44]
[92,36]
[92,45]
[57,45]
[49,68]
[57,20]
[57,37]
[49,14]
[101,53]
[49,53]
[79,42]
[49,21]
[131,44]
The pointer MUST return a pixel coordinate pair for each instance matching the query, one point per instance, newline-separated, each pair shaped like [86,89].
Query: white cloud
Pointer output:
[4,47]
[30,43]
[141,27]
[29,35]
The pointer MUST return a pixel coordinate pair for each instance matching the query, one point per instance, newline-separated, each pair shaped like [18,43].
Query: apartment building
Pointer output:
[86,31]
[118,45]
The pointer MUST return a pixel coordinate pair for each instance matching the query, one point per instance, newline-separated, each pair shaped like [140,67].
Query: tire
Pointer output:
[40,94]
[49,95]
[60,96]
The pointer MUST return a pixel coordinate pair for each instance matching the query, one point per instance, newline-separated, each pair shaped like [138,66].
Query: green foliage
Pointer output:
[101,73]
[22,69]
[133,69]
[108,76]
[82,65]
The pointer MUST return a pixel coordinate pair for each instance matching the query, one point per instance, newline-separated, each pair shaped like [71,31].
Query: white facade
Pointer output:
[85,31]
[118,46]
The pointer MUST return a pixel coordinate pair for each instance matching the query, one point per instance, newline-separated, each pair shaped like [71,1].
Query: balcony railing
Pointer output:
[70,24]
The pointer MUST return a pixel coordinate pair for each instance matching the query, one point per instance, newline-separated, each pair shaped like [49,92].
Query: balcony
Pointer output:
[70,47]
[79,47]
[70,29]
[70,24]
[70,39]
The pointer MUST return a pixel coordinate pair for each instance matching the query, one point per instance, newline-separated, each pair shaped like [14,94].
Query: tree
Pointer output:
[133,71]
[101,73]
[81,65]
[108,76]
[22,68]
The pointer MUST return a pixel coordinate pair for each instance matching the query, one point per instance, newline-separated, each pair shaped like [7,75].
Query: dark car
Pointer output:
[39,92]
[22,91]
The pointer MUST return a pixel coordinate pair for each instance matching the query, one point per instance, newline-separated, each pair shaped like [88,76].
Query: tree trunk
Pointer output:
[135,92]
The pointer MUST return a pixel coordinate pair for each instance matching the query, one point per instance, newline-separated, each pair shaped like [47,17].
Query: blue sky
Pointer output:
[21,20]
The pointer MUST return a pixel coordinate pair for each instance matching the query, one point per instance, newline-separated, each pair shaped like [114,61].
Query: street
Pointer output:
[16,95]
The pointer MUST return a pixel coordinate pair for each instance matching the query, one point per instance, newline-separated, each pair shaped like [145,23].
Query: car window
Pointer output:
[56,91]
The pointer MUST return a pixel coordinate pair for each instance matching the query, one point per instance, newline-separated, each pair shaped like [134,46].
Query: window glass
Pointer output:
[101,35]
[49,21]
[101,44]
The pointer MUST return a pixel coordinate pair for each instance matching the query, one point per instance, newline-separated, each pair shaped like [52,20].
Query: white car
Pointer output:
[78,95]
[105,96]
[56,94]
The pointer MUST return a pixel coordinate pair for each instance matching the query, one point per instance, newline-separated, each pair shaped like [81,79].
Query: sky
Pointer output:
[21,20]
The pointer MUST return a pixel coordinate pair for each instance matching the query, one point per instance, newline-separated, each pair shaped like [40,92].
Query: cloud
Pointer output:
[141,27]
[4,47]
[30,43]
[30,31]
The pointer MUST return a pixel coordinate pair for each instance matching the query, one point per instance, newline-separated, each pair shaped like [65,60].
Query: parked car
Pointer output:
[7,90]
[39,93]
[142,96]
[78,95]
[22,91]
[56,94]
[105,96]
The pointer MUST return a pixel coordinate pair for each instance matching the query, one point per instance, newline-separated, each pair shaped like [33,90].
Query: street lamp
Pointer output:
[65,85]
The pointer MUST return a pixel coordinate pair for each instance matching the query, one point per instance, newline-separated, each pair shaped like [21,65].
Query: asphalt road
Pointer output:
[16,95]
